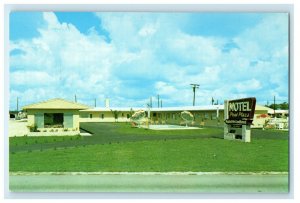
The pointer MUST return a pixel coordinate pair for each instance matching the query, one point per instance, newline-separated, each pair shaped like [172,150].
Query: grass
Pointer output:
[118,147]
[105,133]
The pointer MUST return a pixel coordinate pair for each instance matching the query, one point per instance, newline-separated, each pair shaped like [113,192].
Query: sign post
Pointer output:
[238,117]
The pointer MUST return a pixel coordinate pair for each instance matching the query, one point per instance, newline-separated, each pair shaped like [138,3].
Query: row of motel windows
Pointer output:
[174,116]
[102,115]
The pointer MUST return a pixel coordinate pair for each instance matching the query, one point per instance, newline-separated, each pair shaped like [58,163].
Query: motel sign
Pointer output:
[238,117]
[241,111]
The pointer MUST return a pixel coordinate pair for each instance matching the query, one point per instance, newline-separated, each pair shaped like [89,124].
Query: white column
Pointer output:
[246,133]
[227,135]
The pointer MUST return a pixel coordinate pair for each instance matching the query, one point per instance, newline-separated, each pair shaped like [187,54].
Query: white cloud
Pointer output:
[149,55]
[30,78]
[164,88]
[147,30]
[248,85]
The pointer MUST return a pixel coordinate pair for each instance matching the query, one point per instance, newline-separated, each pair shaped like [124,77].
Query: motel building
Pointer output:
[54,117]
[59,116]
[210,115]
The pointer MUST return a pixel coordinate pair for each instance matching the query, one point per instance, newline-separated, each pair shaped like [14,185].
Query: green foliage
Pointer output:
[33,128]
[282,106]
[115,114]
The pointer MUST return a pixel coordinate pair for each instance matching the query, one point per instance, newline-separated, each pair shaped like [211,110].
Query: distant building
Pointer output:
[210,115]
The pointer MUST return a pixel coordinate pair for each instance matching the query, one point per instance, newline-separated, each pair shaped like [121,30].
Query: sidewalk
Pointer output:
[206,183]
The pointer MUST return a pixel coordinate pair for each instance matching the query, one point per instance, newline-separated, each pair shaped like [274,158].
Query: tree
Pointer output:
[282,106]
[115,113]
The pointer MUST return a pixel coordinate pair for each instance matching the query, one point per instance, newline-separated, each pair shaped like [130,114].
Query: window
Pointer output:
[39,120]
[54,120]
[91,115]
[102,116]
[68,120]
[84,115]
[214,116]
[205,115]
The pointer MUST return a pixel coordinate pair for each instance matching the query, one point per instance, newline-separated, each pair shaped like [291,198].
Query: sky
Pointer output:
[130,57]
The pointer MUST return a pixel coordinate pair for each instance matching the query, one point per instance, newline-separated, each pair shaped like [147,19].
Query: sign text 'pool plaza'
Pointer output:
[241,111]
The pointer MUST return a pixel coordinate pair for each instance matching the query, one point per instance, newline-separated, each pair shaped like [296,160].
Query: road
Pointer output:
[208,183]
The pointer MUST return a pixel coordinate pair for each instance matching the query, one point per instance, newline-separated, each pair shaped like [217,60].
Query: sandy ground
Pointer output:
[17,128]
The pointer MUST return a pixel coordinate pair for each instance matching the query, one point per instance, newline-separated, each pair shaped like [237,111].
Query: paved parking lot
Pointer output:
[17,128]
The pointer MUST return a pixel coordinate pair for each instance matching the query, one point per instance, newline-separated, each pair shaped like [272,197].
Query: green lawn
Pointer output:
[118,147]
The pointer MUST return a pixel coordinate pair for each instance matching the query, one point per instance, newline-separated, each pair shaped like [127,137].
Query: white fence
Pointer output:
[278,123]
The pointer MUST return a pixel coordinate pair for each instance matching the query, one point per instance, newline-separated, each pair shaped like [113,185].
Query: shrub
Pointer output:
[32,128]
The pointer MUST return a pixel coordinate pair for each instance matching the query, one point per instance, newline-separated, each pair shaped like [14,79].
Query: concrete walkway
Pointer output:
[205,183]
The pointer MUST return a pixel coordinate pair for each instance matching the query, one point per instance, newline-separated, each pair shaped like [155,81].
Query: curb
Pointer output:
[24,173]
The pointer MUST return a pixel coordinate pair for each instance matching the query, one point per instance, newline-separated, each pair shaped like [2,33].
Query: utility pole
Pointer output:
[95,102]
[274,106]
[158,101]
[194,86]
[17,103]
[150,102]
[75,98]
[161,103]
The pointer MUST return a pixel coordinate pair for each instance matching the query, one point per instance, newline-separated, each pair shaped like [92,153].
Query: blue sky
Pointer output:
[130,57]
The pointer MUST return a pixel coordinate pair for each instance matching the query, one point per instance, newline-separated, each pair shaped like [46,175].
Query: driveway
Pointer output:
[17,128]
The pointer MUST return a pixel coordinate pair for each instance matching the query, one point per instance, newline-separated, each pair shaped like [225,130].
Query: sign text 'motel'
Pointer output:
[241,111]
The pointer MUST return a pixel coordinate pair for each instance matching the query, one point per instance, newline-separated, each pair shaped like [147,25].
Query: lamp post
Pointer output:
[194,86]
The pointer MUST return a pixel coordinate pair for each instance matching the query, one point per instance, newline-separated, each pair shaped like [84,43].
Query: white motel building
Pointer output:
[62,115]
